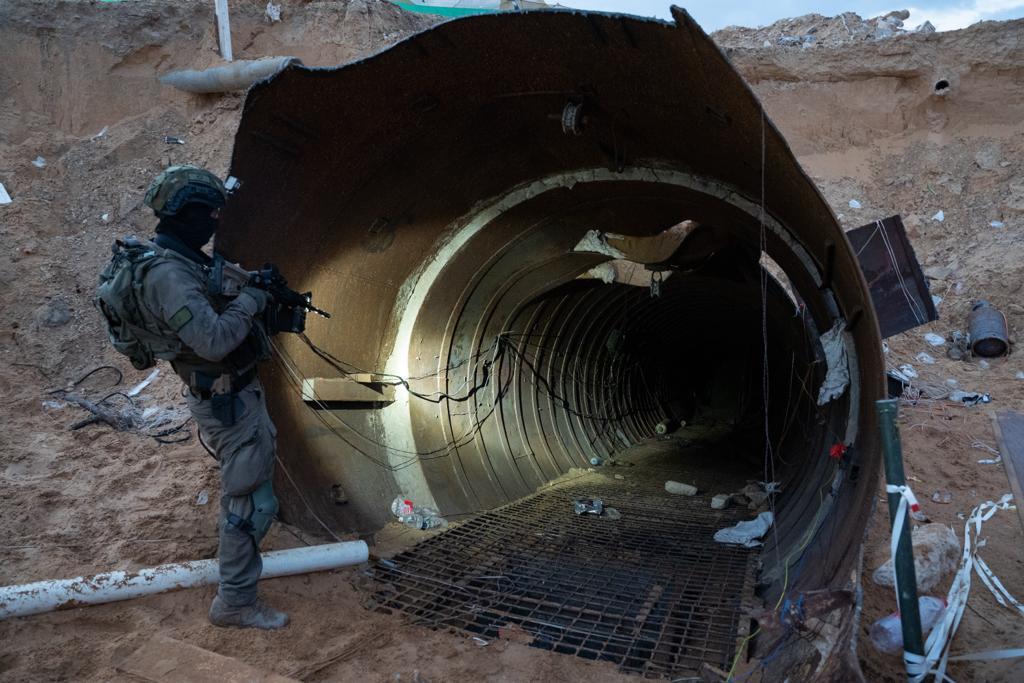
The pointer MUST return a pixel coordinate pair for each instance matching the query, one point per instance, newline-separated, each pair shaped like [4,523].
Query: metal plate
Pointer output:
[899,290]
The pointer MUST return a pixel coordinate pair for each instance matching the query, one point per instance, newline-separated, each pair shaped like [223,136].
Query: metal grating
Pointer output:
[651,592]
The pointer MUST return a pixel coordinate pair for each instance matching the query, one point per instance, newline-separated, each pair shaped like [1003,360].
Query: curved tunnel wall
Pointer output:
[431,198]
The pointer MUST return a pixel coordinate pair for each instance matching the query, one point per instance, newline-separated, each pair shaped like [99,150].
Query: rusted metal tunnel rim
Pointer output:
[432,195]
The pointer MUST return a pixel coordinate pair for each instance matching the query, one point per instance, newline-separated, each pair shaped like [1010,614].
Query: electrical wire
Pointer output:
[296,378]
[769,457]
[120,375]
[497,349]
[161,436]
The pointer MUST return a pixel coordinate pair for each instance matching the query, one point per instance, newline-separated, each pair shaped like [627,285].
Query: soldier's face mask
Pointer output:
[194,224]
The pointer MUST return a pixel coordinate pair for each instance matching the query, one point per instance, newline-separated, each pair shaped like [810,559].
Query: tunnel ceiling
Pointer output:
[433,196]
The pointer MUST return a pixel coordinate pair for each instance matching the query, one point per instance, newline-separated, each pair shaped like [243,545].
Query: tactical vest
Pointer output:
[142,336]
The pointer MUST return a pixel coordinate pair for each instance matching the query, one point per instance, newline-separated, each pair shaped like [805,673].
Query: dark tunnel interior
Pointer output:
[561,367]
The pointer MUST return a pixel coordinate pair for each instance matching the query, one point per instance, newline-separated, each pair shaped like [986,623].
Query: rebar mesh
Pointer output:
[651,591]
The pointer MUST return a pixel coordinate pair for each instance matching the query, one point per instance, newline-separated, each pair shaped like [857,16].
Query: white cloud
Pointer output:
[963,15]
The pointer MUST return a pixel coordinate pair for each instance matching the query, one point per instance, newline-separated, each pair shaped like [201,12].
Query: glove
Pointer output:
[261,296]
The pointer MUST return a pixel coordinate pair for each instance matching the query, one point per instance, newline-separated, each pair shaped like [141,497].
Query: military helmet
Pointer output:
[177,186]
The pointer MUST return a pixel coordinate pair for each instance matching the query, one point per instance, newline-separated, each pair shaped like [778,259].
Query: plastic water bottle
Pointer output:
[415,517]
[887,632]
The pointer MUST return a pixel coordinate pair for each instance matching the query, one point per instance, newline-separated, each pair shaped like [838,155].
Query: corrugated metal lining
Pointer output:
[431,196]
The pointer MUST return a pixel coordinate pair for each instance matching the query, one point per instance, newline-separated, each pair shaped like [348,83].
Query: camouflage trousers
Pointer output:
[246,452]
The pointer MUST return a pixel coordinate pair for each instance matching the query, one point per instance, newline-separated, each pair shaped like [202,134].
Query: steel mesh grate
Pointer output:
[651,592]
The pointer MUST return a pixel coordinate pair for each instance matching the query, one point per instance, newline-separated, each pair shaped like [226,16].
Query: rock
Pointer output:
[755,494]
[936,554]
[54,313]
[938,272]
[129,203]
[680,488]
[720,501]
[925,28]
[987,158]
[1014,202]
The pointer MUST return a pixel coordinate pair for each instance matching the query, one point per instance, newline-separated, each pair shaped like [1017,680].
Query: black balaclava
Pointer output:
[193,225]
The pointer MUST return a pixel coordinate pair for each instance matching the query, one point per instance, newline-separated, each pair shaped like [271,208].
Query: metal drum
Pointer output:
[989,334]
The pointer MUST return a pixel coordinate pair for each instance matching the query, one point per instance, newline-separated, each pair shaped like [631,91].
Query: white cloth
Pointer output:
[746,533]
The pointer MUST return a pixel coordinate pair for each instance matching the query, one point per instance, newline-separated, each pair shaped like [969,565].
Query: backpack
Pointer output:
[131,329]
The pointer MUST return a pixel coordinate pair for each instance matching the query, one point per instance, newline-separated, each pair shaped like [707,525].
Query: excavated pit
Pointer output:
[487,226]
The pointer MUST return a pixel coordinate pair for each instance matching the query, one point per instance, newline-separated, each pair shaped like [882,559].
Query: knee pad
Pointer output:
[264,509]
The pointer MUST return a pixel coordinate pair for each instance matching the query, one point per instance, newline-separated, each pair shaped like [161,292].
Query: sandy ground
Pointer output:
[861,115]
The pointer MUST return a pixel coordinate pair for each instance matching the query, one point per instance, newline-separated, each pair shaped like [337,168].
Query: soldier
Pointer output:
[214,345]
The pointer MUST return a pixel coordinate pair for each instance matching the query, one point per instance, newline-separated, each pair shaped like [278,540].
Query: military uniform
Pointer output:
[233,422]
[157,300]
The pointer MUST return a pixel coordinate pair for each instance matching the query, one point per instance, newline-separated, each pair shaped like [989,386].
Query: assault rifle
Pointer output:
[287,310]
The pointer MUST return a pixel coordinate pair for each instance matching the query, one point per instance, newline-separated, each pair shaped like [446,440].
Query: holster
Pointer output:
[222,392]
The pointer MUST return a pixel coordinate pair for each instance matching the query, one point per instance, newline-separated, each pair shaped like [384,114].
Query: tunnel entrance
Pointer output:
[535,360]
[554,257]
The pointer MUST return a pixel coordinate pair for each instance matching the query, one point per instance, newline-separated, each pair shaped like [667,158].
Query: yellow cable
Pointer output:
[739,653]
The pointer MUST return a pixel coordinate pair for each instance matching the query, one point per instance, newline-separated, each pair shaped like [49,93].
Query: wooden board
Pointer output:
[1009,428]
[372,378]
[329,390]
[163,659]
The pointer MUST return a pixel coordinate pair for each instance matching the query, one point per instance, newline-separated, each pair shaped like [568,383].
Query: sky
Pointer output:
[945,15]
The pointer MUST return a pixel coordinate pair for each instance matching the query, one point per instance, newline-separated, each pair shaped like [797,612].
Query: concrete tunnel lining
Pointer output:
[396,425]
[378,185]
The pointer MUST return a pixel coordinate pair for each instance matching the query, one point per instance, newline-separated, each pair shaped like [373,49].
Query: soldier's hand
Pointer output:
[261,296]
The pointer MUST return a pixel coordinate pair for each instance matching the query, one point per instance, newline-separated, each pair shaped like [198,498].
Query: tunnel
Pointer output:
[547,240]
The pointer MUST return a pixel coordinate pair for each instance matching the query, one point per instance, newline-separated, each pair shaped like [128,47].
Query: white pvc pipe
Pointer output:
[46,596]
[227,77]
[220,9]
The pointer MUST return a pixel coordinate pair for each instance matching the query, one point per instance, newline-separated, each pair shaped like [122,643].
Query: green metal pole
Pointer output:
[910,616]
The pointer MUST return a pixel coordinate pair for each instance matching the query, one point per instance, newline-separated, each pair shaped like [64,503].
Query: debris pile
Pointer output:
[812,30]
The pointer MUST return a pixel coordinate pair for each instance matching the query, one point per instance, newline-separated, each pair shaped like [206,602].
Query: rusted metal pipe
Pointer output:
[990,336]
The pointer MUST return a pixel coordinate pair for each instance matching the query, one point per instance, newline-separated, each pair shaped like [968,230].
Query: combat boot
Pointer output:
[256,615]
